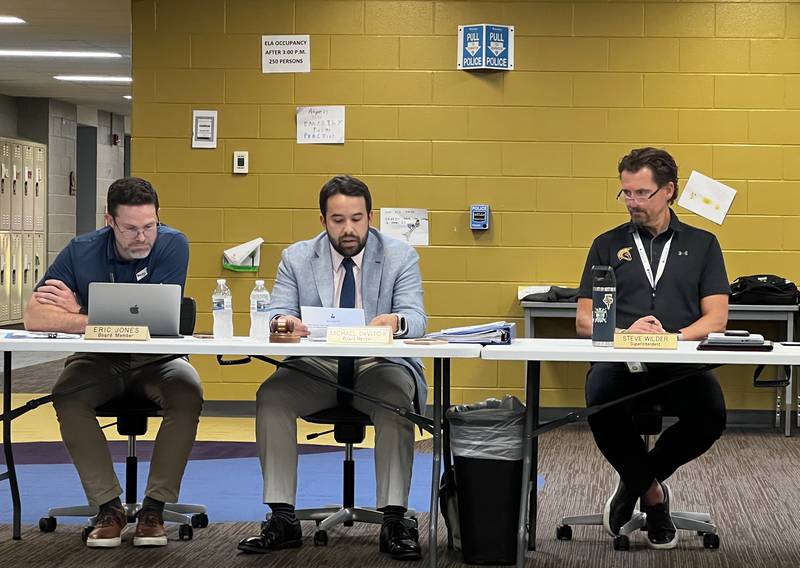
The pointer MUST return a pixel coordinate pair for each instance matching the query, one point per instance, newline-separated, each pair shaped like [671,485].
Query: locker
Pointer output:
[27,187]
[5,185]
[39,188]
[39,257]
[16,186]
[27,269]
[15,292]
[5,261]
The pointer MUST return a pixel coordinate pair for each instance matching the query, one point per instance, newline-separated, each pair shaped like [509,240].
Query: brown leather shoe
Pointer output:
[150,529]
[107,529]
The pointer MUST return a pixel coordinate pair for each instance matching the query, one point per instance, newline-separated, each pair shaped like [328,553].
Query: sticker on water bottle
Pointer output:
[262,306]
[217,304]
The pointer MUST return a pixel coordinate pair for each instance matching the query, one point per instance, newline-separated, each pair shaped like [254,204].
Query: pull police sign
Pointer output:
[485,46]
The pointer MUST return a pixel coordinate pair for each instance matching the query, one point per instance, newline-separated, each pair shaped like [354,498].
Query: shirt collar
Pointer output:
[336,258]
[675,224]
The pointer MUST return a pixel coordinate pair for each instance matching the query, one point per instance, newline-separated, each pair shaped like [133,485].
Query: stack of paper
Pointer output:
[495,333]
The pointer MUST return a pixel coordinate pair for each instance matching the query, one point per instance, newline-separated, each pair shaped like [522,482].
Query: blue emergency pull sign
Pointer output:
[485,46]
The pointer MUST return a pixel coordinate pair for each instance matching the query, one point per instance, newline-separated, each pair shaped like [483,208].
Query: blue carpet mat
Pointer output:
[230,488]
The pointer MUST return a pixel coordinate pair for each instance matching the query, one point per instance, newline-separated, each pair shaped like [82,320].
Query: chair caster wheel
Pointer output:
[85,533]
[564,532]
[185,532]
[321,538]
[711,541]
[200,521]
[47,524]
[622,542]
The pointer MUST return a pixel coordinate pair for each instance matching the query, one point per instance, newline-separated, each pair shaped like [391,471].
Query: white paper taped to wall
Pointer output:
[707,197]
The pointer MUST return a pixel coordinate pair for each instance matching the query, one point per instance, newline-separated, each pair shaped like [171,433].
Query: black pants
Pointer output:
[696,401]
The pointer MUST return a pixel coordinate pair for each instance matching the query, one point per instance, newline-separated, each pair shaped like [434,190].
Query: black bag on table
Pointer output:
[763,289]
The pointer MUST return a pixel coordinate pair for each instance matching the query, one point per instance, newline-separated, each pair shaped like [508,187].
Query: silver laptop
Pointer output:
[158,306]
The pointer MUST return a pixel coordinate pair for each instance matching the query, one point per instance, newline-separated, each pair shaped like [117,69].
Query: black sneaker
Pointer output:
[276,535]
[661,532]
[619,509]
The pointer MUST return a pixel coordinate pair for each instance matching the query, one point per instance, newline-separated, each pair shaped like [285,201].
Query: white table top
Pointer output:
[582,350]
[241,346]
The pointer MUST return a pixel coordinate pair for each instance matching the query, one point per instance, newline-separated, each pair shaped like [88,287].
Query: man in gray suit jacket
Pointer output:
[348,265]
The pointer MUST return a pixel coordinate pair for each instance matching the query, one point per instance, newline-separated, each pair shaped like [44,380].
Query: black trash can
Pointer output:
[486,441]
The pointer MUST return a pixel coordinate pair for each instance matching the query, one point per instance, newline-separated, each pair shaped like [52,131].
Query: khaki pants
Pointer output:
[174,385]
[288,394]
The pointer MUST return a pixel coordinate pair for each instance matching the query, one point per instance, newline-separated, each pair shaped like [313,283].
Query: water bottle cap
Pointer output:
[259,282]
[221,281]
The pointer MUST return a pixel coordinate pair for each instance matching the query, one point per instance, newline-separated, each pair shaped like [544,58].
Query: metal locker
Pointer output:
[16,186]
[15,292]
[5,185]
[39,258]
[27,187]
[27,269]
[39,188]
[5,261]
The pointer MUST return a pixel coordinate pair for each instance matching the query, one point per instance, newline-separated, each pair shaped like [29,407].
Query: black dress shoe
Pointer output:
[277,534]
[398,541]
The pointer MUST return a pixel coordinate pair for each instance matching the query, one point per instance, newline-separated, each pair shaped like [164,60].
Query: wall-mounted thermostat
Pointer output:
[241,162]
[479,217]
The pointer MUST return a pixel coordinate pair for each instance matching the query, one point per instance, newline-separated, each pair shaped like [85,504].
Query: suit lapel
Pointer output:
[371,275]
[323,269]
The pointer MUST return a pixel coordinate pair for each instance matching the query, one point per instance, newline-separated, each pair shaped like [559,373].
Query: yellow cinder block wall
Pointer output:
[716,83]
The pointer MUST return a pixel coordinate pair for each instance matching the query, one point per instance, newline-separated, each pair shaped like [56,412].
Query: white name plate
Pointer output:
[367,335]
[118,332]
[645,341]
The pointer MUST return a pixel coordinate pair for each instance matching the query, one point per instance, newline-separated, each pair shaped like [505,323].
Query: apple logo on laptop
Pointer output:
[134,309]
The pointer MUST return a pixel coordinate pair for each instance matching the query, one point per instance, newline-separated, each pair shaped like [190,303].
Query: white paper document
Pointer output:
[409,225]
[523,291]
[320,125]
[318,319]
[707,197]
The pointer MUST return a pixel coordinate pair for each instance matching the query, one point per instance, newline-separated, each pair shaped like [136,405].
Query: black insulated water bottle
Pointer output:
[604,306]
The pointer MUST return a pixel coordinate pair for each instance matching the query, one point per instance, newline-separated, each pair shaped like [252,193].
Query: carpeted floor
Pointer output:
[748,482]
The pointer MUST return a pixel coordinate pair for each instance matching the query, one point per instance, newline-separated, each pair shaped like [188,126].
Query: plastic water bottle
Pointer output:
[604,306]
[222,310]
[259,311]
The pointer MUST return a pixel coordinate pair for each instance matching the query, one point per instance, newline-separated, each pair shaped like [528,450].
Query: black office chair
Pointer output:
[132,414]
[648,420]
[349,428]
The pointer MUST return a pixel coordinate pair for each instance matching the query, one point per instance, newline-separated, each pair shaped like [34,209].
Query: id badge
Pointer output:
[636,367]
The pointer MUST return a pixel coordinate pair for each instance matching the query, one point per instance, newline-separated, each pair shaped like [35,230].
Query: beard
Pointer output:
[348,245]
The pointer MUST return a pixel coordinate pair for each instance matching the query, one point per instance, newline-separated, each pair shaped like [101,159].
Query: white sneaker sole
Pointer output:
[607,515]
[103,542]
[150,541]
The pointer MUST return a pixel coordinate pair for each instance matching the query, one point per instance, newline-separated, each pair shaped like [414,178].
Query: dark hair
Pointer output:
[661,164]
[346,185]
[130,191]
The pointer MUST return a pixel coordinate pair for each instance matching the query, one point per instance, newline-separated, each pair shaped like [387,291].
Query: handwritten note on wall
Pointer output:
[320,125]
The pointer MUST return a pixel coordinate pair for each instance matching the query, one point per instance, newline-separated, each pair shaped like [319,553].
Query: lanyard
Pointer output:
[662,262]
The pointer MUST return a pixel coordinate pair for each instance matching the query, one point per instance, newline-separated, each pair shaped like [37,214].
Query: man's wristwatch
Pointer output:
[402,325]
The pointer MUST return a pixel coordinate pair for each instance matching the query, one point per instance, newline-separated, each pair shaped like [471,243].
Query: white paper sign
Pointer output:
[409,225]
[707,197]
[320,125]
[285,54]
[204,129]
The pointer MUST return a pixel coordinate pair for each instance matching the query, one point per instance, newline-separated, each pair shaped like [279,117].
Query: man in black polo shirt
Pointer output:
[670,279]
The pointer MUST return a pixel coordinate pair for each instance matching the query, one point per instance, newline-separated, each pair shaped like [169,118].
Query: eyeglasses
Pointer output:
[638,194]
[133,232]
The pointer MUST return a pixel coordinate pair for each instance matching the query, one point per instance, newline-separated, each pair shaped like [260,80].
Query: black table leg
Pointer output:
[11,472]
[437,461]
[529,464]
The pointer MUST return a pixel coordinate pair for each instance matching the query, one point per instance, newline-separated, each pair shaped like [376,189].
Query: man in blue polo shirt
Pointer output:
[670,279]
[133,248]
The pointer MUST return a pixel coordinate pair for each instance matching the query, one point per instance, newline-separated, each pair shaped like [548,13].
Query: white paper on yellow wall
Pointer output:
[707,197]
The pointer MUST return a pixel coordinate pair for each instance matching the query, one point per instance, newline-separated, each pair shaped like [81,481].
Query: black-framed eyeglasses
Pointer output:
[638,194]
[133,232]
